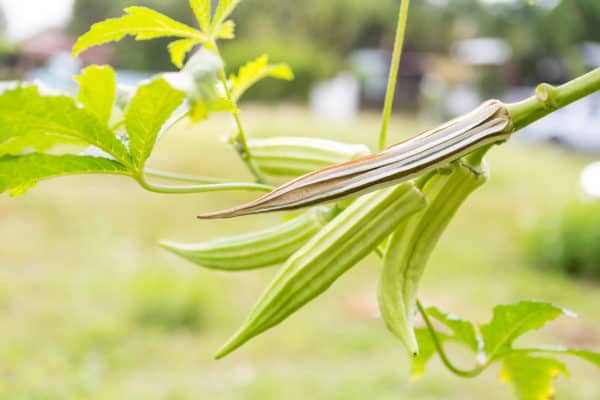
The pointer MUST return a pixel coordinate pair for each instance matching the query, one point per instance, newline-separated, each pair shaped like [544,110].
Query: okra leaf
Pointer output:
[223,11]
[585,355]
[255,71]
[202,11]
[28,113]
[33,143]
[426,351]
[149,110]
[97,91]
[140,22]
[179,49]
[532,376]
[20,173]
[226,30]
[463,331]
[511,321]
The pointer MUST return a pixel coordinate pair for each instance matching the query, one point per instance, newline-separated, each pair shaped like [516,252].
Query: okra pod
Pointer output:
[412,243]
[342,243]
[488,124]
[295,156]
[255,250]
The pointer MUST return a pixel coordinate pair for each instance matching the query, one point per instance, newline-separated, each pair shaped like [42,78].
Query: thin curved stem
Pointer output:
[440,349]
[241,143]
[393,77]
[171,176]
[213,187]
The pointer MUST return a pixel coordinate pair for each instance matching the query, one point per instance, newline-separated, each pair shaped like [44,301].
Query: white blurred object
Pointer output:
[590,52]
[28,17]
[336,99]
[371,67]
[590,180]
[483,51]
[58,74]
[461,99]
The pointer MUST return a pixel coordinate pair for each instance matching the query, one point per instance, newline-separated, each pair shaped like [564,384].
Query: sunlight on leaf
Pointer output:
[202,11]
[462,330]
[179,49]
[140,22]
[19,173]
[255,71]
[97,91]
[223,11]
[532,376]
[225,31]
[511,321]
[26,112]
[149,110]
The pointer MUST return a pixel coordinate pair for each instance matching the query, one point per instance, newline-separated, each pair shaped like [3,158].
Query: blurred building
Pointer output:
[37,50]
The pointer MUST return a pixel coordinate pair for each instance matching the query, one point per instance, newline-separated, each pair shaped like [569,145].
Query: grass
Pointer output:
[91,308]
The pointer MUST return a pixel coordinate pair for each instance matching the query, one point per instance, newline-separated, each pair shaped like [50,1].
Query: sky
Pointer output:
[26,17]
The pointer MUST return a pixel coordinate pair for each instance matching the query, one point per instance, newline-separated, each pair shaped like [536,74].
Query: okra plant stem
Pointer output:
[393,77]
[203,188]
[241,143]
[442,353]
[171,176]
[550,98]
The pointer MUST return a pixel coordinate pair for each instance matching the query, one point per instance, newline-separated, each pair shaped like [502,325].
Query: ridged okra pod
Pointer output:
[346,240]
[295,156]
[254,250]
[486,125]
[411,245]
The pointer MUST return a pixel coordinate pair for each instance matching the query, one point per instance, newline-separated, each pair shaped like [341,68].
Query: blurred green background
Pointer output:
[92,308]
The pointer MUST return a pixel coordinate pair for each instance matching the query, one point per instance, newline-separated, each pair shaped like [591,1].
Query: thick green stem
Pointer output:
[393,78]
[549,99]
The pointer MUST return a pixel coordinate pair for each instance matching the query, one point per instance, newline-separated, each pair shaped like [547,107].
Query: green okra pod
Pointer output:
[295,156]
[411,245]
[486,125]
[260,249]
[342,243]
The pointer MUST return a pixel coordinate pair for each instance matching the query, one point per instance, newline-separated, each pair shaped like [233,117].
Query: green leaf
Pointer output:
[97,91]
[511,321]
[223,11]
[33,143]
[179,49]
[226,30]
[19,173]
[202,10]
[426,351]
[148,112]
[255,71]
[586,355]
[532,376]
[26,112]
[140,22]
[463,331]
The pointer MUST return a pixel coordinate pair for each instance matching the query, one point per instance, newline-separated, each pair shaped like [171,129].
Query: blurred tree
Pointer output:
[315,35]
